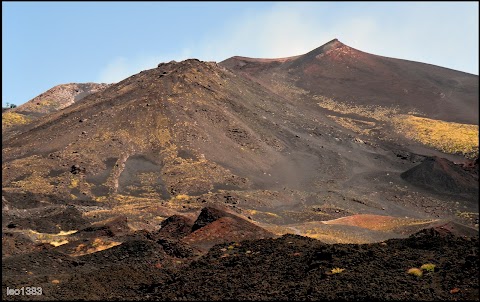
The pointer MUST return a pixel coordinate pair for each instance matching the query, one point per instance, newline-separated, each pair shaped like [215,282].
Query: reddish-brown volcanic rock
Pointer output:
[225,229]
[215,226]
[176,226]
[208,215]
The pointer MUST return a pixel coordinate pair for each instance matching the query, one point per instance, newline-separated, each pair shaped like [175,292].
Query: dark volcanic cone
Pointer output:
[443,176]
[176,226]
[129,251]
[207,216]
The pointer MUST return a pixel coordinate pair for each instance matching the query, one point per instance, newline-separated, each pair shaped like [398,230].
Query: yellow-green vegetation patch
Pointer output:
[376,112]
[10,119]
[429,267]
[316,229]
[262,216]
[415,271]
[182,197]
[53,239]
[471,216]
[58,242]
[337,270]
[29,174]
[102,198]
[43,106]
[127,199]
[357,126]
[35,183]
[448,137]
[74,183]
[465,214]
[99,244]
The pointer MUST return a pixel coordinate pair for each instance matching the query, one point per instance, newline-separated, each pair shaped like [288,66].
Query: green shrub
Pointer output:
[429,267]
[415,271]
[337,270]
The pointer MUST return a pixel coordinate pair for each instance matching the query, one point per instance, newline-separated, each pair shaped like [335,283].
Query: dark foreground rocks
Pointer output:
[299,268]
[287,268]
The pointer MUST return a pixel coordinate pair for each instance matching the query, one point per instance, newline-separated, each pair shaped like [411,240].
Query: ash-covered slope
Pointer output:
[182,128]
[175,138]
[199,126]
[343,73]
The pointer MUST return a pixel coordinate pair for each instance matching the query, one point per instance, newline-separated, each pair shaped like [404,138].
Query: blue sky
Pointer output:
[48,43]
